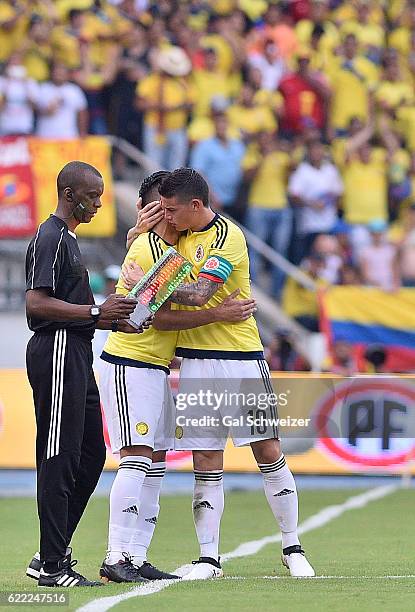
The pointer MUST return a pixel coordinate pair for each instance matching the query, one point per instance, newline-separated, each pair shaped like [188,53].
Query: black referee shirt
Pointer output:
[54,262]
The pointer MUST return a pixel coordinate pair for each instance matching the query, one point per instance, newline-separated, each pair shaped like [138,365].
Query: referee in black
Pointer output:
[70,450]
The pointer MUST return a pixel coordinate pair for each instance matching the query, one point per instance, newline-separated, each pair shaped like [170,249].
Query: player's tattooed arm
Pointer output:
[195,294]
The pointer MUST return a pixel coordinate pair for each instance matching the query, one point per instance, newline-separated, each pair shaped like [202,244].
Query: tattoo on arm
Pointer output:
[195,294]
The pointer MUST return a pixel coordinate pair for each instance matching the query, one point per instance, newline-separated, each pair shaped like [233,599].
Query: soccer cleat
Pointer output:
[65,577]
[204,568]
[150,572]
[34,567]
[293,557]
[122,571]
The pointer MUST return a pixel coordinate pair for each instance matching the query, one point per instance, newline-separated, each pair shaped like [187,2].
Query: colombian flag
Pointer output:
[365,316]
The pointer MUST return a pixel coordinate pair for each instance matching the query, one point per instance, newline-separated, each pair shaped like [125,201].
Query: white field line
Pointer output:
[398,577]
[245,549]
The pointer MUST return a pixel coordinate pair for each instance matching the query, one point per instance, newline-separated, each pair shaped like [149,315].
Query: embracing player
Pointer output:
[139,409]
[217,249]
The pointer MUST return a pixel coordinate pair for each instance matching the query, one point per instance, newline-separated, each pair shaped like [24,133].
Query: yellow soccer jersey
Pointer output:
[219,252]
[152,348]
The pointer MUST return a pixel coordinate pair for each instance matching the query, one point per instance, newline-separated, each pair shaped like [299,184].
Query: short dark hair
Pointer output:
[151,182]
[187,183]
[72,173]
[74,13]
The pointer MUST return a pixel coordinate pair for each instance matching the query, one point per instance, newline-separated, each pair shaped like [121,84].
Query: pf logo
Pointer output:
[369,423]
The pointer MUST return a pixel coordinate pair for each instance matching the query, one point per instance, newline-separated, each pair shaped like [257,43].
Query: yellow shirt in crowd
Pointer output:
[9,39]
[36,59]
[400,39]
[395,94]
[350,88]
[269,186]
[172,91]
[365,189]
[367,34]
[206,86]
[252,120]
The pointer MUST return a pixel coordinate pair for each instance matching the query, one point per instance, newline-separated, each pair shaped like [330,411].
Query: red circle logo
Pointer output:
[363,422]
[212,263]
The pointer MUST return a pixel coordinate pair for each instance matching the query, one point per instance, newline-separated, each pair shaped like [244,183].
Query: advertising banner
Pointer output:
[18,215]
[28,171]
[327,425]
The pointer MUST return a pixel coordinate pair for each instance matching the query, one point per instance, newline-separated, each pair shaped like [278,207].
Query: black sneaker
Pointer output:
[65,577]
[34,567]
[150,572]
[123,571]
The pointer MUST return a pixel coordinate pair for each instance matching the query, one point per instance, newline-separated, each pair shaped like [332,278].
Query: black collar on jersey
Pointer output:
[158,236]
[209,225]
[59,222]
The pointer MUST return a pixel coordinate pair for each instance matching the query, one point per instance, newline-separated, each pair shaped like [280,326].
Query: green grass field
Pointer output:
[364,546]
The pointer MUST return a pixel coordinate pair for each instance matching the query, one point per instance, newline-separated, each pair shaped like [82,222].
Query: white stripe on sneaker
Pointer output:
[62,579]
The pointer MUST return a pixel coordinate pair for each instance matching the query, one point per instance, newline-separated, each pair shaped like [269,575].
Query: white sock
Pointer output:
[208,504]
[281,493]
[125,504]
[148,514]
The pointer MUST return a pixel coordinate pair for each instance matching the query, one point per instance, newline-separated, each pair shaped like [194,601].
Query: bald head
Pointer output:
[80,187]
[74,174]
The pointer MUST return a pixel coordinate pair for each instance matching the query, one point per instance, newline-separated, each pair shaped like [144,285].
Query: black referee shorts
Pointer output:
[70,449]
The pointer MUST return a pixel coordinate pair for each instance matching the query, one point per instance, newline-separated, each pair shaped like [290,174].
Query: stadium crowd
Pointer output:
[299,113]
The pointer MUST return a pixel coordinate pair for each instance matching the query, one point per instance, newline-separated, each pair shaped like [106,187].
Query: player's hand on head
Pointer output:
[131,273]
[149,216]
[117,307]
[233,310]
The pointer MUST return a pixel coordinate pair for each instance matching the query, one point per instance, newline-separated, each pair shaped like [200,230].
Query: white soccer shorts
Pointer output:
[138,406]
[215,375]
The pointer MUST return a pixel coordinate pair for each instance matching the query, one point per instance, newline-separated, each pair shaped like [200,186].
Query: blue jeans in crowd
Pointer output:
[97,113]
[273,226]
[172,153]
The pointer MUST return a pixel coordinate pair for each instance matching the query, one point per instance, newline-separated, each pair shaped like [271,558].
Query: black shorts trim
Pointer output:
[132,363]
[233,355]
[264,369]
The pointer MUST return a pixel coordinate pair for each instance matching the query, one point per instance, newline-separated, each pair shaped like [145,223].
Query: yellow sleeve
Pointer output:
[269,121]
[7,12]
[145,88]
[284,159]
[402,157]
[277,100]
[379,156]
[250,160]
[140,253]
[371,73]
[398,38]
